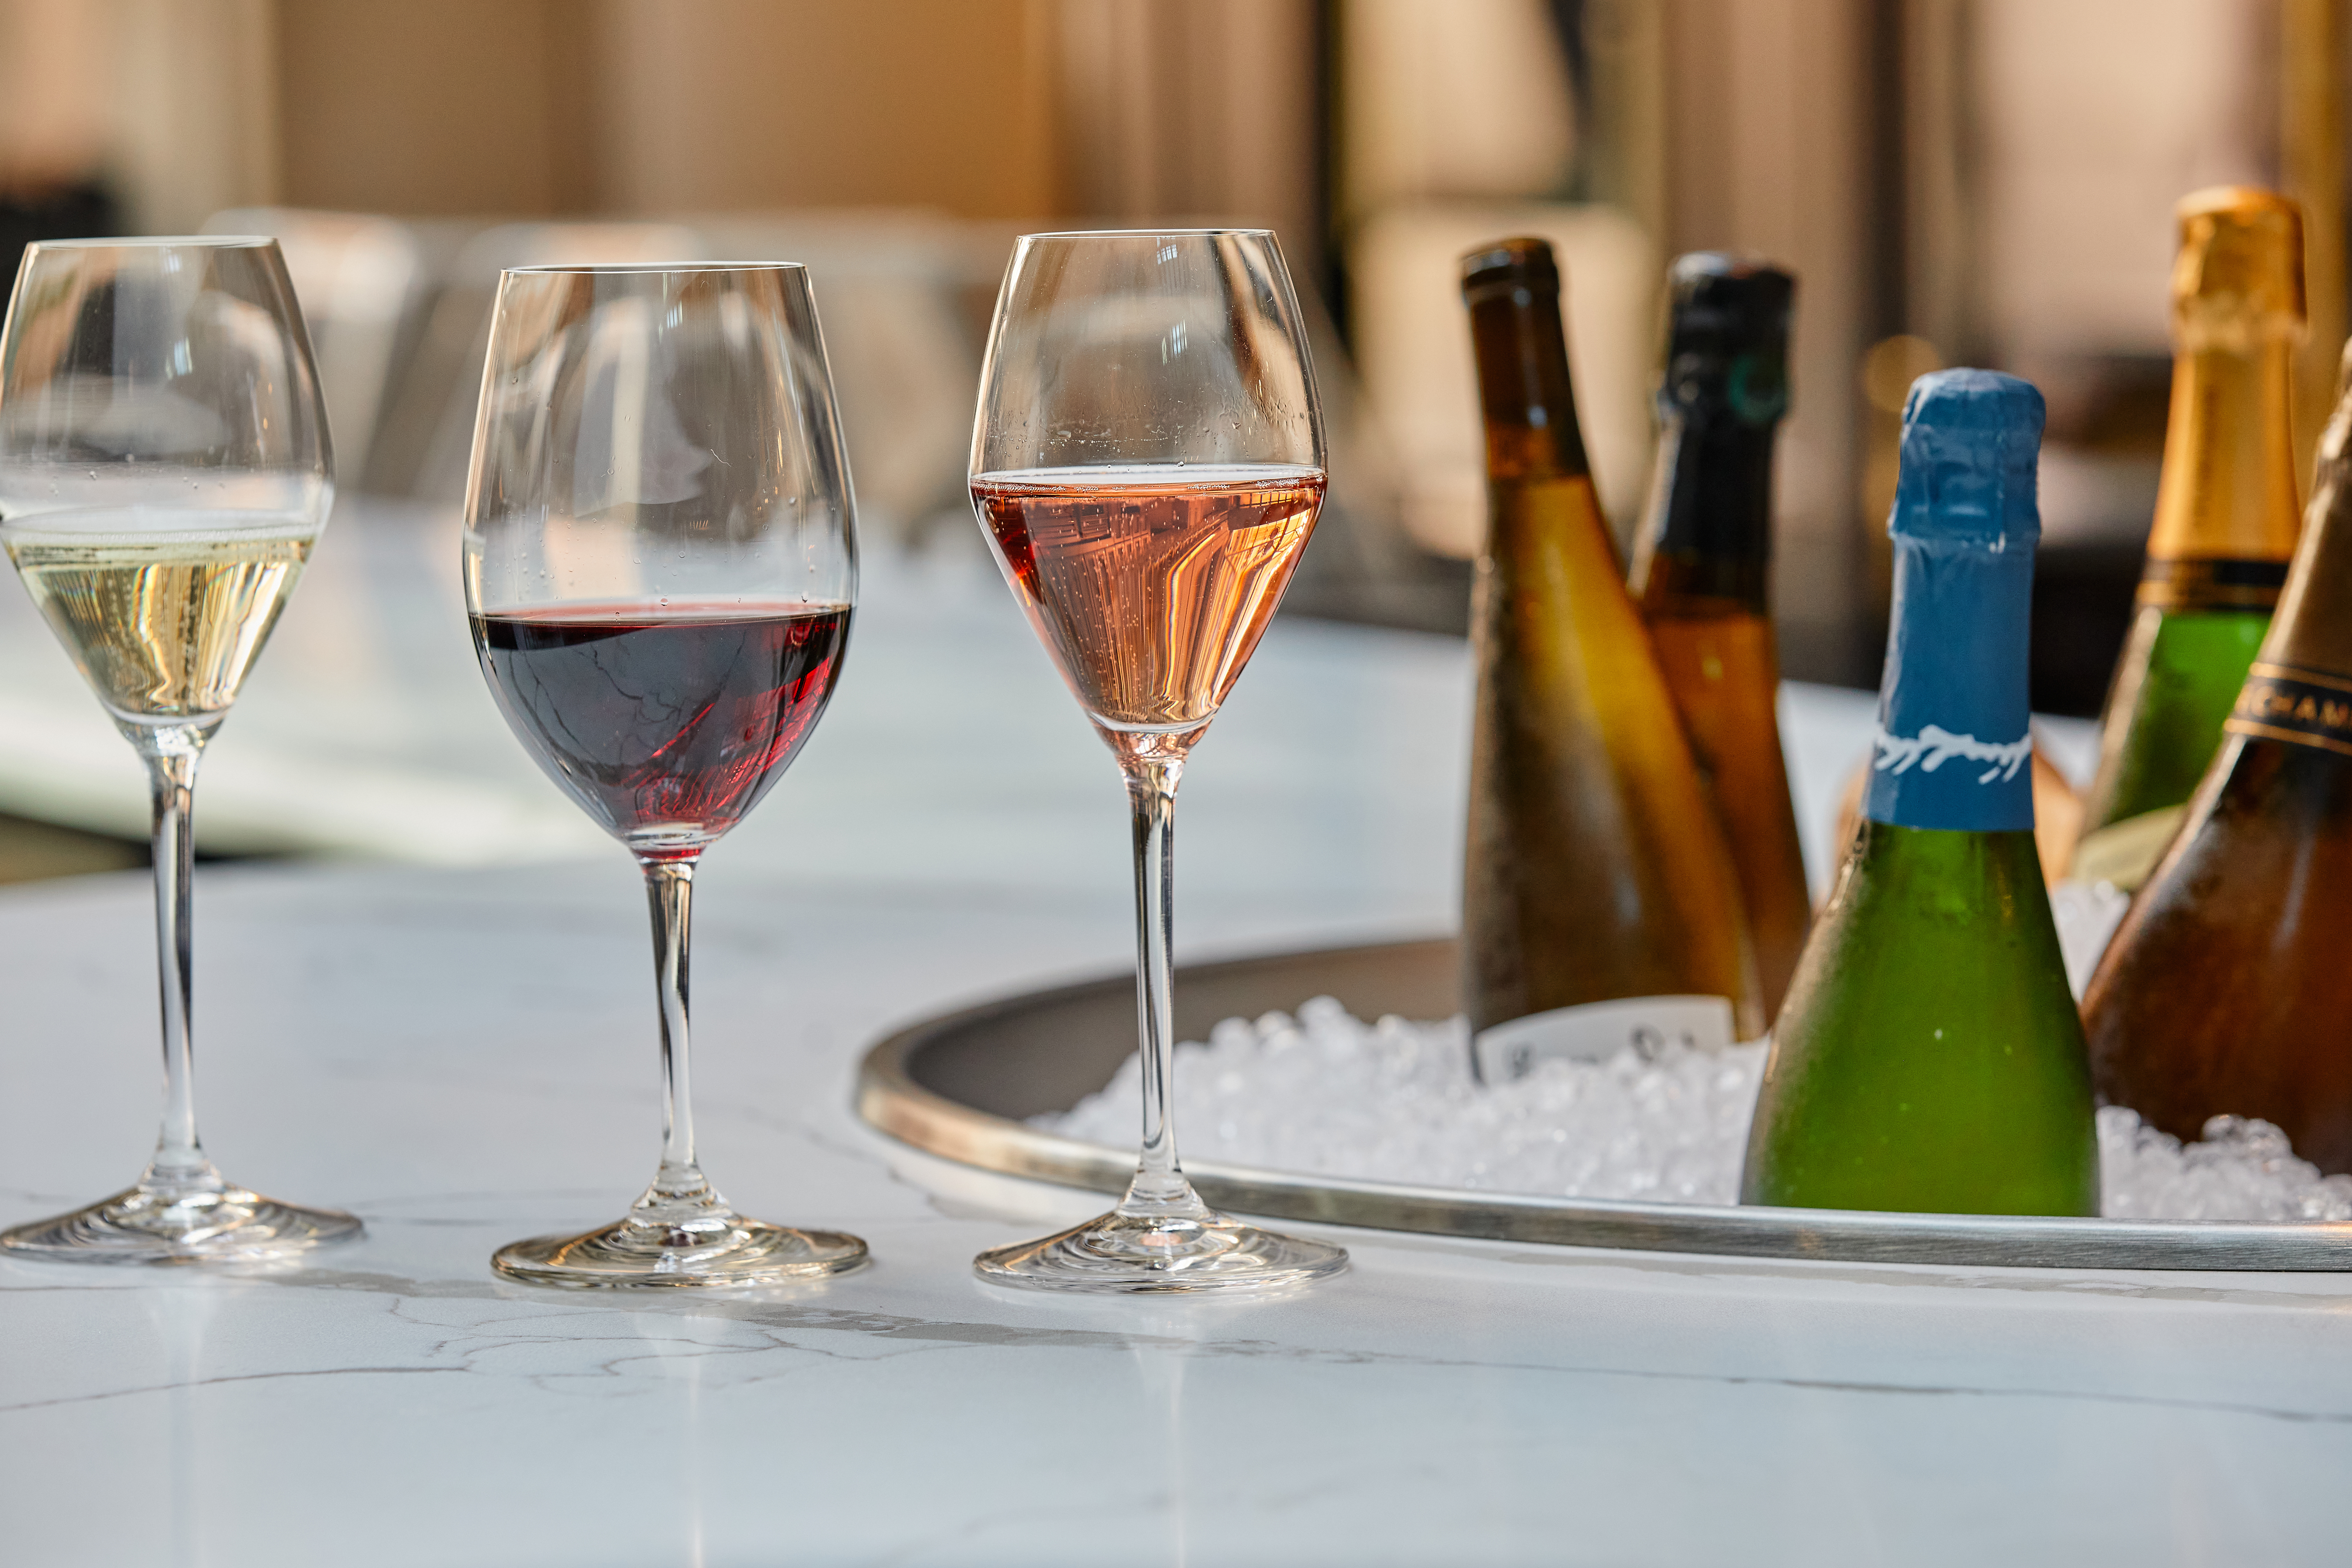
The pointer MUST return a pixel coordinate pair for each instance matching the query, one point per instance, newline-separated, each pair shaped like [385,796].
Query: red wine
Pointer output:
[1151,586]
[666,723]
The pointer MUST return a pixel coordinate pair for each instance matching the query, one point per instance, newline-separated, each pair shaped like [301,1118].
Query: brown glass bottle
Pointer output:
[2226,521]
[2228,988]
[1596,871]
[1700,571]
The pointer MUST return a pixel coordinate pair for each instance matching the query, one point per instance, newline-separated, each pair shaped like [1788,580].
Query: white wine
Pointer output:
[162,621]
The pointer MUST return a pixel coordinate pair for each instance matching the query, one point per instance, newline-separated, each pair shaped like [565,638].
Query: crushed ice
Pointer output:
[1329,1094]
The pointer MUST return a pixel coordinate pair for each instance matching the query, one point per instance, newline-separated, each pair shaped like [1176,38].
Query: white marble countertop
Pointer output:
[466,1058]
[466,1055]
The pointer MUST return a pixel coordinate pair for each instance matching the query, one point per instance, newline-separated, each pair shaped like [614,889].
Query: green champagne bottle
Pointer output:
[1600,906]
[1929,1056]
[1700,572]
[2226,519]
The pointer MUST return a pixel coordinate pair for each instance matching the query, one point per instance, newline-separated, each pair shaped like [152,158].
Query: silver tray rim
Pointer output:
[890,1099]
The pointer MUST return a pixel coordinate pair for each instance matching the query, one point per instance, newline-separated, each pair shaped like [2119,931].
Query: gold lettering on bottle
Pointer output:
[2305,708]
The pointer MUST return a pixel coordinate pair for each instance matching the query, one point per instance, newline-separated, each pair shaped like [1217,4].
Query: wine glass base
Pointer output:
[214,1224]
[1124,1253]
[635,1256]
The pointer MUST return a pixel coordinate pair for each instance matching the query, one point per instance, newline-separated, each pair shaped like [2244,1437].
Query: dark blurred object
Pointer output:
[34,851]
[1423,593]
[81,211]
[2107,402]
[2099,467]
[2082,610]
[1364,567]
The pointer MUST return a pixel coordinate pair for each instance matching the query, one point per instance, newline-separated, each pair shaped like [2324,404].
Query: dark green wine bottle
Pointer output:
[1929,1056]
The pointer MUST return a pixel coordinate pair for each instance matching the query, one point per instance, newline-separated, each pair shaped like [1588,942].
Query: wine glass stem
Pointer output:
[1160,1188]
[669,889]
[171,753]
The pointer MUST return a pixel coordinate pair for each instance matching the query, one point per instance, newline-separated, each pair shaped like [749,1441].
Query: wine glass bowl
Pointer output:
[1148,465]
[660,566]
[164,472]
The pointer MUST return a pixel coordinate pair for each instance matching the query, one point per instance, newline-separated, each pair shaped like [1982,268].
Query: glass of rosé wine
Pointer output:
[660,566]
[1147,463]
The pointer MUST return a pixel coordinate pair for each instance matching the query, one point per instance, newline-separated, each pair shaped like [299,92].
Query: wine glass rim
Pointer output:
[656,268]
[1152,234]
[158,242]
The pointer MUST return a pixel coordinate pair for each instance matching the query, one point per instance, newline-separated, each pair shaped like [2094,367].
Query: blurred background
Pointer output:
[1982,182]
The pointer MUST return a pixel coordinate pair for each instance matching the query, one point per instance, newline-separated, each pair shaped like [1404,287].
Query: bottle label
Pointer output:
[1597,1031]
[1952,746]
[2212,585]
[2307,707]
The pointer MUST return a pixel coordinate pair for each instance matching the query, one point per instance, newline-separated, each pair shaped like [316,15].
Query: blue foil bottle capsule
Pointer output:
[1952,748]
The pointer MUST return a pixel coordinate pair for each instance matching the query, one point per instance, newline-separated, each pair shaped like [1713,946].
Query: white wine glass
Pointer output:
[660,562]
[1147,462]
[164,471]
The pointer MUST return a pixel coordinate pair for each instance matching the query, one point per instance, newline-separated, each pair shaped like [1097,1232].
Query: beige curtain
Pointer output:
[1190,108]
[195,110]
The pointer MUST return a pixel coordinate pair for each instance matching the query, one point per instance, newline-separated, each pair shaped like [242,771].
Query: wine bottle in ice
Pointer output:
[1600,906]
[1699,574]
[2228,989]
[1929,1056]
[2225,525]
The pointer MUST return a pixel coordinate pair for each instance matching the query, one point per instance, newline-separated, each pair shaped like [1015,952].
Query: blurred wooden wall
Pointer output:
[1199,108]
[434,106]
[535,107]
[545,108]
[980,109]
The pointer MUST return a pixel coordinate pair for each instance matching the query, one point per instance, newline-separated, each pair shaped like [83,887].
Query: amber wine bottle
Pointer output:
[2225,525]
[1600,906]
[1929,1056]
[1700,566]
[2228,988]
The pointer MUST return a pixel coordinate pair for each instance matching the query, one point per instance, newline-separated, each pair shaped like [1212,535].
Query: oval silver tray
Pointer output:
[960,1086]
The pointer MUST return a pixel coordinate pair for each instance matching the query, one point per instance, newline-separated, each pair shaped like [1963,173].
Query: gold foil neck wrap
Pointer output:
[2237,282]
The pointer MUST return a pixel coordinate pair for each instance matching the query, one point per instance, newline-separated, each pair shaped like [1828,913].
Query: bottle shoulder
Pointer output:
[1933,932]
[1929,1056]
[1933,873]
[2264,859]
[2226,990]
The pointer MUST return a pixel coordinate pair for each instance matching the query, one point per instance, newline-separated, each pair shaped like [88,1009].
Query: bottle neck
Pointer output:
[2300,688]
[1709,532]
[1523,384]
[2226,508]
[1952,749]
[2312,628]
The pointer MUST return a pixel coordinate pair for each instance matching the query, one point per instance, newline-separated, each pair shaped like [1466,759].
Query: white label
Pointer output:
[1599,1030]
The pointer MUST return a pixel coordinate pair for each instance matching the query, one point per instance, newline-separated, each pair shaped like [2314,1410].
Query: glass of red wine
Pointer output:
[659,563]
[1148,463]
